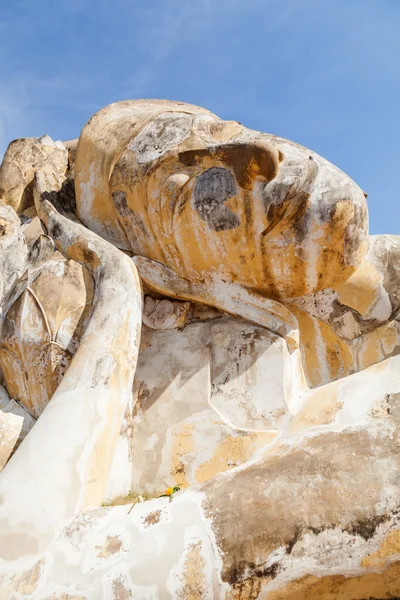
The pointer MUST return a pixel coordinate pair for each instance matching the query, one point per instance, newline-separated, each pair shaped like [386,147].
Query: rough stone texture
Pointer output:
[17,255]
[22,158]
[206,399]
[316,515]
[265,379]
[42,330]
[164,314]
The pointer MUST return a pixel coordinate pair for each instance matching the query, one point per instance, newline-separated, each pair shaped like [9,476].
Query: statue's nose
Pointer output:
[250,160]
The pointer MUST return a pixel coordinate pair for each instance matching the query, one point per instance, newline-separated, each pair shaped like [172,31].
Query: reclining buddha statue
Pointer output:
[193,306]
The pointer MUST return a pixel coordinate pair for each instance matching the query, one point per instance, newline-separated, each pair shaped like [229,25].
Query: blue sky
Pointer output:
[324,73]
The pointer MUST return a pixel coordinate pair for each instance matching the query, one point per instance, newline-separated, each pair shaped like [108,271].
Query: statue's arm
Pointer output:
[68,453]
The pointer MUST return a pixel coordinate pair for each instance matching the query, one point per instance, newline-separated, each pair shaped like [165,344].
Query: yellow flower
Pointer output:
[170,492]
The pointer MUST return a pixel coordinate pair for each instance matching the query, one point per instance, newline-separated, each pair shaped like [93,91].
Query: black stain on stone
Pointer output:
[56,230]
[64,200]
[66,197]
[291,544]
[50,197]
[366,528]
[270,571]
[121,204]
[7,329]
[131,220]
[212,189]
[254,571]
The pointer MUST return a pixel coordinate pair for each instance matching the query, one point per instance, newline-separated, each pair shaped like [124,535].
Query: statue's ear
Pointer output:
[247,160]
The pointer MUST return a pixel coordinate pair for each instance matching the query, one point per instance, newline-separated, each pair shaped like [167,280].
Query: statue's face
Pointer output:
[206,196]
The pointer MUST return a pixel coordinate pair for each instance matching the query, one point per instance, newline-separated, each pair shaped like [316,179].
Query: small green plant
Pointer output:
[130,498]
[133,497]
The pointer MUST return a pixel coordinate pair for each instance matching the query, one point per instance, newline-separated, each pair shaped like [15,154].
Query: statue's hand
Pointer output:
[72,239]
[164,314]
[227,296]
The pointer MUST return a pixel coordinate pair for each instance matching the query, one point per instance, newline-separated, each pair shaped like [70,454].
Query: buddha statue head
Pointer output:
[208,197]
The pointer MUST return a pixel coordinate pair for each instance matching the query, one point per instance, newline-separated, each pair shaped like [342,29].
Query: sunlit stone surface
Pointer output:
[187,302]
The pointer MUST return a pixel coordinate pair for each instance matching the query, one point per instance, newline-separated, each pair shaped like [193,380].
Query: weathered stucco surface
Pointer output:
[206,398]
[304,518]
[187,302]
